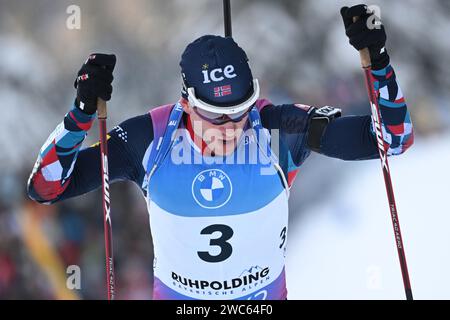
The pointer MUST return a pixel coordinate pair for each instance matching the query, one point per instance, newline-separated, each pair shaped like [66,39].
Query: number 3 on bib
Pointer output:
[225,247]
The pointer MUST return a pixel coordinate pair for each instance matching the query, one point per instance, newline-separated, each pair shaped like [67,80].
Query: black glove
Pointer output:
[94,81]
[361,36]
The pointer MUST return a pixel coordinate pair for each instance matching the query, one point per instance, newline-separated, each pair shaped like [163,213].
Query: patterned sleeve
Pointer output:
[396,121]
[64,170]
[353,137]
[55,163]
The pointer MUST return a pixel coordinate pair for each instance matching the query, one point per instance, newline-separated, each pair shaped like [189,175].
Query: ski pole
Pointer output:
[227,18]
[382,148]
[102,116]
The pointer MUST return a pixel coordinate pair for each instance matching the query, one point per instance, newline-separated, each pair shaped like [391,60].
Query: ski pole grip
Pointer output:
[364,53]
[101,109]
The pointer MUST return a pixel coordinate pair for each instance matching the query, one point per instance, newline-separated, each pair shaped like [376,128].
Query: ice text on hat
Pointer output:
[216,74]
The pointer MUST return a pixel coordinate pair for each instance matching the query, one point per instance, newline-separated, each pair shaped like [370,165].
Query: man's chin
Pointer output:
[223,147]
[226,141]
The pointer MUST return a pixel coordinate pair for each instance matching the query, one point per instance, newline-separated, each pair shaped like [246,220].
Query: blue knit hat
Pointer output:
[216,75]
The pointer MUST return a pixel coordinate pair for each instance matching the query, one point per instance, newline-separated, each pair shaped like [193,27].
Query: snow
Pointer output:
[343,248]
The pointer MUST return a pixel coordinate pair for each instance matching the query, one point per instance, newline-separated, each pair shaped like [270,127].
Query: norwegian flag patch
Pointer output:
[222,91]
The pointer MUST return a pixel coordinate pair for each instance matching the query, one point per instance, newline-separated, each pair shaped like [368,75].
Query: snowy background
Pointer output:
[341,243]
[343,247]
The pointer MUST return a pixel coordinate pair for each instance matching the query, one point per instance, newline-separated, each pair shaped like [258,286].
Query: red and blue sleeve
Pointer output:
[65,170]
[353,137]
[396,121]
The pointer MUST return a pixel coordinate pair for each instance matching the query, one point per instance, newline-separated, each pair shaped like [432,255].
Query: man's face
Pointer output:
[220,139]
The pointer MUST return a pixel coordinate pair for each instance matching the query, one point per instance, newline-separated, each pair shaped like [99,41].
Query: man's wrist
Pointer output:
[79,116]
[380,60]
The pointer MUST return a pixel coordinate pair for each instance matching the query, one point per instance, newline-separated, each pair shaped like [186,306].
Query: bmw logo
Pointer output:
[212,189]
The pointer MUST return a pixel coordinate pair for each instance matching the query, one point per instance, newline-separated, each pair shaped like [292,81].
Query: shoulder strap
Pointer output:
[165,122]
[289,169]
[258,130]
